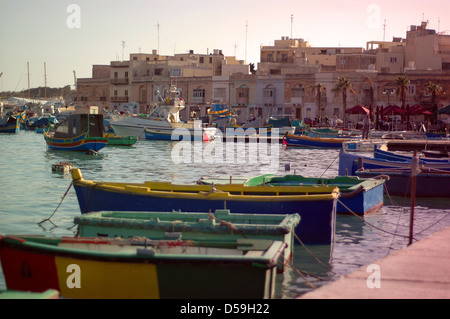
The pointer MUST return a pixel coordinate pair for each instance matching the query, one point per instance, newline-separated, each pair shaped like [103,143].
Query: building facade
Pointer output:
[287,83]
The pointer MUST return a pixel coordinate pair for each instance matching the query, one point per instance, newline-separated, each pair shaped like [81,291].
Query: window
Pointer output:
[116,75]
[199,93]
[175,72]
[210,60]
[219,92]
[126,74]
[298,92]
[269,57]
[126,92]
[116,93]
[202,59]
[158,71]
[268,93]
[393,59]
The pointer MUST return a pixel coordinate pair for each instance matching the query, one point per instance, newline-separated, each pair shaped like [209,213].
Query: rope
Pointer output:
[226,224]
[64,196]
[329,165]
[378,228]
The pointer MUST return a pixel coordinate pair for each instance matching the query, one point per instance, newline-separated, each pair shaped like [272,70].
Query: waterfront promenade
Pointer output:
[419,271]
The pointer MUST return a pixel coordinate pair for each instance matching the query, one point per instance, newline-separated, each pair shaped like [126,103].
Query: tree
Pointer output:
[435,90]
[319,89]
[402,84]
[343,85]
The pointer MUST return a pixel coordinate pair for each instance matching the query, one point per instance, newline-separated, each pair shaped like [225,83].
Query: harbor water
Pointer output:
[30,192]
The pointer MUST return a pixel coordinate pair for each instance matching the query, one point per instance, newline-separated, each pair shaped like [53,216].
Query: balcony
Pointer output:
[119,81]
[121,99]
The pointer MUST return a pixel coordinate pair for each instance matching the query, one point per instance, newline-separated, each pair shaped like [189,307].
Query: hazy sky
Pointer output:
[70,38]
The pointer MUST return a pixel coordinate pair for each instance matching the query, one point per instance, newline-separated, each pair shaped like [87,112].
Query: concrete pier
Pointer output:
[419,271]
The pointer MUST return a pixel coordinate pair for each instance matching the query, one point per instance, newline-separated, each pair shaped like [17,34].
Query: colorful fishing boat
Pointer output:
[114,140]
[364,146]
[333,133]
[10,123]
[315,205]
[313,142]
[79,132]
[191,226]
[357,195]
[430,184]
[106,268]
[349,163]
[392,156]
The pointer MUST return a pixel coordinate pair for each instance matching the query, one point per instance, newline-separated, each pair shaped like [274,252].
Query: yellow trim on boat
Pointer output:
[228,191]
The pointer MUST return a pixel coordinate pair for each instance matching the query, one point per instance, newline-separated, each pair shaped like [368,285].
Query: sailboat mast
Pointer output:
[45,77]
[28,68]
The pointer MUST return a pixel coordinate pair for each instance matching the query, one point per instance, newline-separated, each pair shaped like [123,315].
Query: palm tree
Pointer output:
[343,85]
[402,84]
[319,89]
[434,89]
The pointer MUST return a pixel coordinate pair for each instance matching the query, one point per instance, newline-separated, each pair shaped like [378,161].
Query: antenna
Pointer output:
[45,77]
[384,30]
[157,26]
[123,48]
[292,22]
[246,33]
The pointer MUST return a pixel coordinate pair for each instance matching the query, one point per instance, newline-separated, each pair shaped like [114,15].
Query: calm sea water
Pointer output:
[31,192]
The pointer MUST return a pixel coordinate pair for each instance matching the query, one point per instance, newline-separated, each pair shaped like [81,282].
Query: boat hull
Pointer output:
[358,196]
[429,185]
[318,211]
[199,227]
[12,126]
[81,144]
[313,142]
[109,271]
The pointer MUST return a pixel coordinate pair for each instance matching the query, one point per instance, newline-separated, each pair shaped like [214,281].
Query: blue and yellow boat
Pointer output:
[356,195]
[79,132]
[315,205]
[10,123]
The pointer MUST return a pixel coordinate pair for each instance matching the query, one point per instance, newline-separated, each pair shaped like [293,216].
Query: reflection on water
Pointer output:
[30,192]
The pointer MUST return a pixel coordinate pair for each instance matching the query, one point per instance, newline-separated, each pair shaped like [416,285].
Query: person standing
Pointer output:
[366,127]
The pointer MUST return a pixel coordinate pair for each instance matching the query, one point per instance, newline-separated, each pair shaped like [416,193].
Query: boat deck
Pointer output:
[418,145]
[419,271]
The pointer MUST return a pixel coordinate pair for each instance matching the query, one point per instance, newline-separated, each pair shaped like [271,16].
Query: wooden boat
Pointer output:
[191,226]
[392,156]
[313,142]
[332,133]
[79,132]
[114,140]
[124,268]
[357,195]
[349,163]
[315,205]
[10,123]
[16,294]
[429,184]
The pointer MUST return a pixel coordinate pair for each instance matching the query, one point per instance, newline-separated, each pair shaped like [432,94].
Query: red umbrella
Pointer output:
[394,110]
[358,109]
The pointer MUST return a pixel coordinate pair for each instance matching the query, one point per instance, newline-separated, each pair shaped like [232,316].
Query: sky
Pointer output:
[73,35]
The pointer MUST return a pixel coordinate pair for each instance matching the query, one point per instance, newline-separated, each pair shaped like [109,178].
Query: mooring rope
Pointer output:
[64,196]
